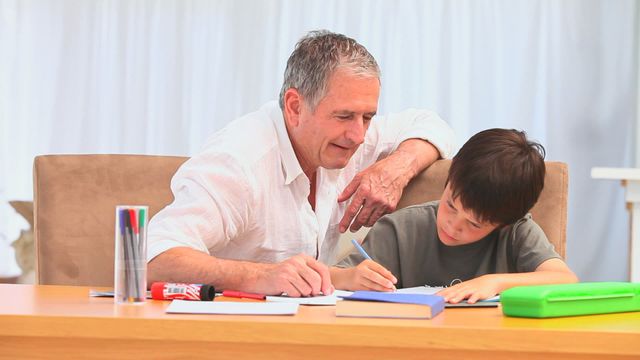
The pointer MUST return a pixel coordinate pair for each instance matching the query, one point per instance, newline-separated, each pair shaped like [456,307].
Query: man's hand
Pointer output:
[480,288]
[368,275]
[300,275]
[376,190]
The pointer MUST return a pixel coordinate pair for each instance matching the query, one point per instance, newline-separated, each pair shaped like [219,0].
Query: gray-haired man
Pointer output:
[260,209]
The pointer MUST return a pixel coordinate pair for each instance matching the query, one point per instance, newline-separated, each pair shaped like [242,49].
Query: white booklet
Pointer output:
[428,290]
[312,300]
[231,308]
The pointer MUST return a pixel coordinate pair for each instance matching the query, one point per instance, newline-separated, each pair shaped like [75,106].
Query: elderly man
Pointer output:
[261,208]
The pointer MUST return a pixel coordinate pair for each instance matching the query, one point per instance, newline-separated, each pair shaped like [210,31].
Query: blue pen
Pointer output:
[360,249]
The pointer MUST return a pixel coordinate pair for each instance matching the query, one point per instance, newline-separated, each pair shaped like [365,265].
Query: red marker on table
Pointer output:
[242,294]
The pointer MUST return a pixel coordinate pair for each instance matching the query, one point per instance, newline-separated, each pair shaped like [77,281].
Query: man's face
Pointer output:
[330,135]
[457,226]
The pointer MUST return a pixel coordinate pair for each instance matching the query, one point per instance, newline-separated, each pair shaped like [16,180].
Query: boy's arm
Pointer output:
[551,271]
[368,275]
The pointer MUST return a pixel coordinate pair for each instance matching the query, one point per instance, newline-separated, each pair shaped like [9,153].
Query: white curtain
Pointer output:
[156,77]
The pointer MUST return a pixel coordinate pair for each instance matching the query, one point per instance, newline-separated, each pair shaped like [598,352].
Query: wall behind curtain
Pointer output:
[156,77]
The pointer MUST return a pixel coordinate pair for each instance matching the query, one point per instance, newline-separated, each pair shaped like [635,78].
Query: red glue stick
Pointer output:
[178,291]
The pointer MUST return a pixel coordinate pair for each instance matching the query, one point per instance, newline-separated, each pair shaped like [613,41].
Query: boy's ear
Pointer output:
[292,107]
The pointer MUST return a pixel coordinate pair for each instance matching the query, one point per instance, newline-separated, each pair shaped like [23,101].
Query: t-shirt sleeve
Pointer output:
[530,245]
[212,197]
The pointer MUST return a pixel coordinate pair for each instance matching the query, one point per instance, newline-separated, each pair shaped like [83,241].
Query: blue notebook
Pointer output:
[390,304]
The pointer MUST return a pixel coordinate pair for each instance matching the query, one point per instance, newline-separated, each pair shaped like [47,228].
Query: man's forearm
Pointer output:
[187,265]
[299,275]
[416,154]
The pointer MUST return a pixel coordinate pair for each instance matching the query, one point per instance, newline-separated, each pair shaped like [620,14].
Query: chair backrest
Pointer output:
[550,212]
[74,209]
[75,198]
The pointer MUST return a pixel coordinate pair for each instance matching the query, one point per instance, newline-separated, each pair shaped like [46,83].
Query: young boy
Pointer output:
[477,241]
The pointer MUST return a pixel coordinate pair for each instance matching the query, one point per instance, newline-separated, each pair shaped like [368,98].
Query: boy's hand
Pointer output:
[369,275]
[480,288]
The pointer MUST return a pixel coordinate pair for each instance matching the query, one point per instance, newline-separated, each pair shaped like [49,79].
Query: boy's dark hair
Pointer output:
[498,175]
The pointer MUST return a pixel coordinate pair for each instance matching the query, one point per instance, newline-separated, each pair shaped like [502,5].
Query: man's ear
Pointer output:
[292,107]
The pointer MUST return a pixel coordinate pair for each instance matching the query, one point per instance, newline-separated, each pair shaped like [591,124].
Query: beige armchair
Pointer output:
[75,198]
[74,210]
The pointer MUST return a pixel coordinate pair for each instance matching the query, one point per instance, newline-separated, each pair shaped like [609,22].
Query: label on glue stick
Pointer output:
[179,291]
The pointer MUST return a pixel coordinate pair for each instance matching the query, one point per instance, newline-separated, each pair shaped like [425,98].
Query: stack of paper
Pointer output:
[231,308]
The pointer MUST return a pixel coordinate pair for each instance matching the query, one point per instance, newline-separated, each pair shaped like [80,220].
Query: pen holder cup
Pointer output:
[130,268]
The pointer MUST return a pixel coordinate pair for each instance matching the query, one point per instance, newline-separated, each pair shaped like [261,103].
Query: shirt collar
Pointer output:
[290,164]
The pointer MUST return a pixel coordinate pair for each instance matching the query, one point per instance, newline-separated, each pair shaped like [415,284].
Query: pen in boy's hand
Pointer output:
[360,249]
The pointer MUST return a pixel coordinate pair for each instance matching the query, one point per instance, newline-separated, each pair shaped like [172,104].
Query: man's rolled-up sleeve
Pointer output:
[211,206]
[386,133]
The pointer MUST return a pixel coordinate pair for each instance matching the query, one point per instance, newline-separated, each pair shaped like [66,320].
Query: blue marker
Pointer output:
[360,249]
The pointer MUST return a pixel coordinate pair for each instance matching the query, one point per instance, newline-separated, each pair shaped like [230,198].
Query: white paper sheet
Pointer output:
[311,300]
[231,308]
[429,290]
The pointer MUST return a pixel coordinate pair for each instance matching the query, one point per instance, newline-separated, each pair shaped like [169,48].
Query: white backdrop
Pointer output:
[156,77]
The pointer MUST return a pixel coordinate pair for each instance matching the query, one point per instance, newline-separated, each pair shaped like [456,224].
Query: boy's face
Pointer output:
[457,226]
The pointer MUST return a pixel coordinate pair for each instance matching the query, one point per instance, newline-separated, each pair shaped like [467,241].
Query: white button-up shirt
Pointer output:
[244,197]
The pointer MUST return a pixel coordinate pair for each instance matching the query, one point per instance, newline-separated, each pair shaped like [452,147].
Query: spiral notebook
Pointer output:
[431,290]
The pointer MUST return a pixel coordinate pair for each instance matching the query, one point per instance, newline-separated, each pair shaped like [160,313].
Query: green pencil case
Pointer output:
[543,301]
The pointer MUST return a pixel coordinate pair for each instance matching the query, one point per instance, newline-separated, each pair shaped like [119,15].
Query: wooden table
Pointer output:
[64,322]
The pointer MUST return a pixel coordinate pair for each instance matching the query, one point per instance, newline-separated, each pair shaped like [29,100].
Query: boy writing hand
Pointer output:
[367,275]
[478,239]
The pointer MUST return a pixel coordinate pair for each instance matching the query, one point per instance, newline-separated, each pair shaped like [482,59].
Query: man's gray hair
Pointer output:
[316,57]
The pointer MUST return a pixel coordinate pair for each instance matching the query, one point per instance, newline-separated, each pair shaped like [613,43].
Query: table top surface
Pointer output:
[71,301]
[67,317]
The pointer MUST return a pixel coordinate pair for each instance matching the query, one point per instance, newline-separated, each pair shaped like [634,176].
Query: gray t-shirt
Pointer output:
[406,242]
